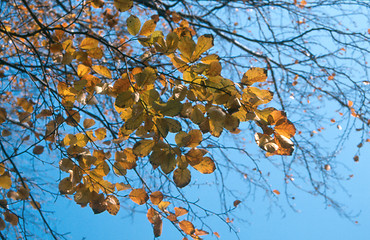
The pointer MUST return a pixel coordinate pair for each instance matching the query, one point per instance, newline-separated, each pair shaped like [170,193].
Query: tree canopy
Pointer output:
[125,101]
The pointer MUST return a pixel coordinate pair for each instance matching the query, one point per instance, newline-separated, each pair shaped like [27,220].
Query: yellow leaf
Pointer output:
[181,177]
[96,53]
[133,25]
[163,205]
[148,28]
[285,128]
[186,46]
[102,70]
[123,5]
[89,43]
[101,133]
[139,196]
[206,166]
[69,140]
[172,41]
[156,197]
[254,75]
[5,180]
[122,186]
[82,70]
[82,139]
[204,43]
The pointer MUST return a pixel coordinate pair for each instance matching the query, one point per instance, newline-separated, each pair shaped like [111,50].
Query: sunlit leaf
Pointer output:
[148,28]
[133,25]
[89,43]
[156,197]
[187,227]
[179,211]
[205,42]
[5,181]
[102,70]
[206,166]
[139,196]
[254,75]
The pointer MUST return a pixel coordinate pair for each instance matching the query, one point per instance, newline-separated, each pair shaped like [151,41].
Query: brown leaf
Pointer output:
[113,204]
[156,197]
[179,211]
[181,177]
[38,150]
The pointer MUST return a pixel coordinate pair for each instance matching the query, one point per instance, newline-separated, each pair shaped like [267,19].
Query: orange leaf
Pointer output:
[139,196]
[156,197]
[179,211]
[276,192]
[187,227]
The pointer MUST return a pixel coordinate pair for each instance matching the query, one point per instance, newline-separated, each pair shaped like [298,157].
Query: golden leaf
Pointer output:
[181,177]
[285,127]
[253,75]
[69,140]
[148,28]
[206,166]
[179,211]
[123,5]
[89,43]
[156,197]
[133,25]
[139,196]
[122,186]
[204,43]
[186,46]
[187,227]
[101,133]
[102,70]
[5,181]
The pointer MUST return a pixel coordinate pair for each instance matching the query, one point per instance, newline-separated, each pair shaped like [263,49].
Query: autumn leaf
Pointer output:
[254,75]
[187,227]
[89,43]
[156,197]
[148,28]
[139,196]
[123,5]
[206,166]
[181,177]
[102,70]
[205,42]
[133,25]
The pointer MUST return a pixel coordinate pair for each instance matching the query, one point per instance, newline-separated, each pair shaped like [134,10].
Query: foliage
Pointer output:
[133,106]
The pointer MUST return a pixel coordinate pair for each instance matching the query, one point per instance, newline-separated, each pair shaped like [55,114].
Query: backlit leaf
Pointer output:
[148,28]
[179,211]
[5,181]
[113,204]
[101,133]
[181,177]
[204,43]
[123,5]
[156,197]
[89,43]
[10,218]
[139,196]
[187,227]
[133,25]
[253,75]
[88,123]
[102,70]
[206,166]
